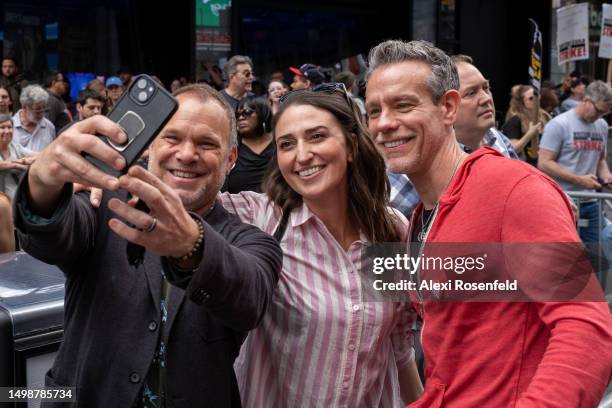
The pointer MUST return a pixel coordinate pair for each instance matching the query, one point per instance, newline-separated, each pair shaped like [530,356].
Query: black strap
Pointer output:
[282,226]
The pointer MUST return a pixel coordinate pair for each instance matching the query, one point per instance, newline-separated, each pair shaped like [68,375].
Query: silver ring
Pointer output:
[152,226]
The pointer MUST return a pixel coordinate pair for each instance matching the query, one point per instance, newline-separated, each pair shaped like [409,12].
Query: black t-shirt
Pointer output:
[233,102]
[512,128]
[249,170]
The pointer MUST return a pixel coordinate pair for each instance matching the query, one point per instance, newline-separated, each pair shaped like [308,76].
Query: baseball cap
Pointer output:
[309,71]
[113,81]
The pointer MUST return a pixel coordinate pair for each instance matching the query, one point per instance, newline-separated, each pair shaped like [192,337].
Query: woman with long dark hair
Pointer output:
[326,197]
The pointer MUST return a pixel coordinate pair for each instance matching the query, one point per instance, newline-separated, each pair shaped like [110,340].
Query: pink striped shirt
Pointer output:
[320,344]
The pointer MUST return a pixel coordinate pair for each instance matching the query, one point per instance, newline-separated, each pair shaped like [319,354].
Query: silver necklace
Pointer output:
[425,225]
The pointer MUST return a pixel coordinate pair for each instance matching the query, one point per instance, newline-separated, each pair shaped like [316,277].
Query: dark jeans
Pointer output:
[599,245]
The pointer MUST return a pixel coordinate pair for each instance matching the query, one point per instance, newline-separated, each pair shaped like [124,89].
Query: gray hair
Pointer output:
[32,94]
[230,66]
[4,117]
[599,91]
[206,92]
[444,74]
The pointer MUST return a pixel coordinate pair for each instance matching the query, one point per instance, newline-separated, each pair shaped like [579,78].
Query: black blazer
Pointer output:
[112,310]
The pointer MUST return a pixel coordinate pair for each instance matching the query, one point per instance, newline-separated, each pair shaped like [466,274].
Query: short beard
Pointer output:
[206,196]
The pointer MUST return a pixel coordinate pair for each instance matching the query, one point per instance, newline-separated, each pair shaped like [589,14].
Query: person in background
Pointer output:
[520,128]
[306,76]
[30,127]
[6,100]
[174,85]
[14,158]
[576,94]
[125,74]
[475,122]
[89,103]
[239,73]
[11,79]
[276,90]
[255,146]
[574,153]
[57,87]
[348,79]
[114,90]
[564,88]
[549,101]
[7,229]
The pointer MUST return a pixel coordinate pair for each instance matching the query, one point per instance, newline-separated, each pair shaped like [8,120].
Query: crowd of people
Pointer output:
[227,271]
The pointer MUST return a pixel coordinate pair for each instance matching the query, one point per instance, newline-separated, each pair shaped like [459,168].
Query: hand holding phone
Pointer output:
[141,112]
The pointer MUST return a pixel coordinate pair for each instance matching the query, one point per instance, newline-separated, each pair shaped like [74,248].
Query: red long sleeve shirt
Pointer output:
[511,354]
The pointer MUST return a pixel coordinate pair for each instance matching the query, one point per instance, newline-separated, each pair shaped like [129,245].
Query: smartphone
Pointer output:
[142,111]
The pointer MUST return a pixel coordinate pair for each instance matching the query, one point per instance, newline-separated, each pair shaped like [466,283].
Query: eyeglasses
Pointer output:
[38,110]
[246,112]
[600,112]
[248,74]
[328,87]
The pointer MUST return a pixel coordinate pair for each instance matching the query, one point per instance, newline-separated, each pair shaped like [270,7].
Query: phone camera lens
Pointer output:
[142,83]
[142,96]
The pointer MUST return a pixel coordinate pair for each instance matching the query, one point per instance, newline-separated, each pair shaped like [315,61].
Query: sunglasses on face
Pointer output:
[246,112]
[600,112]
[329,87]
[248,74]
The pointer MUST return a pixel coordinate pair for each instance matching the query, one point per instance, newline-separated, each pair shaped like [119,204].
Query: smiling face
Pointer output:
[312,153]
[192,154]
[408,128]
[6,133]
[476,112]
[275,91]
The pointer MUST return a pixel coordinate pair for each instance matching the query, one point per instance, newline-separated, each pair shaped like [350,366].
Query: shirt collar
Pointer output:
[17,118]
[17,121]
[300,215]
[490,137]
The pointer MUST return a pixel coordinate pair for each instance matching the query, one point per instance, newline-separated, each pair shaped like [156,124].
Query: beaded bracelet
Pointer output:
[196,245]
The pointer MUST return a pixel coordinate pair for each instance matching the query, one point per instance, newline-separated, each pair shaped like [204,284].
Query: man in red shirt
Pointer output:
[483,354]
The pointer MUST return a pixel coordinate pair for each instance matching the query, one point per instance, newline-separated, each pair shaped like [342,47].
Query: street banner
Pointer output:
[573,33]
[535,62]
[605,41]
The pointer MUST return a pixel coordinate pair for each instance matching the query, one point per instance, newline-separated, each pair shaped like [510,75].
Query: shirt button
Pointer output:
[135,378]
[351,347]
[345,384]
[152,325]
[355,308]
